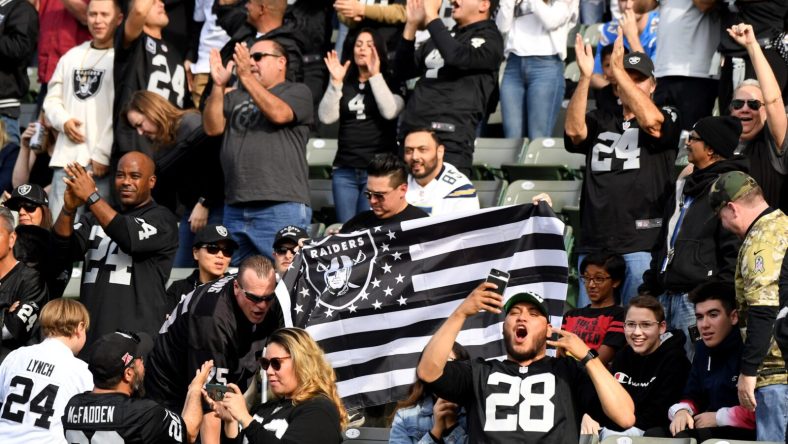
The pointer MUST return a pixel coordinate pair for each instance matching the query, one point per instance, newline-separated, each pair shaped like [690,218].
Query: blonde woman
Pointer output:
[307,408]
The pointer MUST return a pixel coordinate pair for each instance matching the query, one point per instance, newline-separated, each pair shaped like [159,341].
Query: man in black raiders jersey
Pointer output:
[128,253]
[143,61]
[227,321]
[529,397]
[458,69]
[630,158]
[22,291]
[114,412]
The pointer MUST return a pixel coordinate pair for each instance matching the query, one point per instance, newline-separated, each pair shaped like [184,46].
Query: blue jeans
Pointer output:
[591,11]
[531,93]
[348,186]
[771,412]
[680,315]
[637,263]
[12,128]
[184,257]
[254,227]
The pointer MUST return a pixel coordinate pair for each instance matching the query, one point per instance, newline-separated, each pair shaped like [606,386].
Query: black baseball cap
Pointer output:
[639,62]
[290,233]
[28,192]
[211,234]
[113,352]
[529,297]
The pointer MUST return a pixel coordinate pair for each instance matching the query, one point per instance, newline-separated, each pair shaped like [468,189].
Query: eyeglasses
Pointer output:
[376,194]
[276,363]
[257,56]
[598,280]
[752,104]
[644,325]
[692,138]
[284,250]
[215,249]
[255,298]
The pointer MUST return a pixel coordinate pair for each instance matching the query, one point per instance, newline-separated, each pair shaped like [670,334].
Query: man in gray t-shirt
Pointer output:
[266,126]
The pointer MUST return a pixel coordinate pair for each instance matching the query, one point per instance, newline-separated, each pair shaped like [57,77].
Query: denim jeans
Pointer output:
[254,227]
[58,189]
[12,128]
[531,93]
[591,11]
[771,412]
[348,186]
[680,315]
[637,263]
[184,257]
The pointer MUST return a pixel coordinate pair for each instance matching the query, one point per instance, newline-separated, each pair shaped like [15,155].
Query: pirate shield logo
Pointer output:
[87,82]
[339,268]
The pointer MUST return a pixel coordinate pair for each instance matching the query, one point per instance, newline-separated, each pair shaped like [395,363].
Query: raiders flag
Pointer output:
[373,298]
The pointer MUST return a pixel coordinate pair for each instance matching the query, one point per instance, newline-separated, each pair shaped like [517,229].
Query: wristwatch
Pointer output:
[589,356]
[93,198]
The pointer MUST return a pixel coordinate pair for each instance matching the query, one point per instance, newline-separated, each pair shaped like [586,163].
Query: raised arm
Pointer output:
[192,408]
[575,125]
[213,114]
[275,110]
[132,27]
[436,353]
[772,96]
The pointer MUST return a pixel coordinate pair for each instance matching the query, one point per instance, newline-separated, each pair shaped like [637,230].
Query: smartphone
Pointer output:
[216,391]
[499,278]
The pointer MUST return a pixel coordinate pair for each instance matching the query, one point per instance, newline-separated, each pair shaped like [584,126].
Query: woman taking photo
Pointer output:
[365,101]
[307,408]
[187,165]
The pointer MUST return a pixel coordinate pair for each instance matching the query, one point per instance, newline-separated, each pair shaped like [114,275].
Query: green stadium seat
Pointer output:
[646,440]
[592,34]
[572,72]
[562,192]
[366,435]
[489,191]
[322,201]
[550,151]
[320,155]
[489,154]
[316,230]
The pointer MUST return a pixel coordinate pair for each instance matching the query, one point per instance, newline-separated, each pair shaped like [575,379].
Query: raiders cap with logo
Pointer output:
[640,62]
[28,192]
[290,233]
[211,234]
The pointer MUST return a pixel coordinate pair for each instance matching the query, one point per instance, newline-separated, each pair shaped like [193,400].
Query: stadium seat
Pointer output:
[589,439]
[177,274]
[570,41]
[646,440]
[316,230]
[489,154]
[320,155]
[592,34]
[562,192]
[366,435]
[322,201]
[572,72]
[550,151]
[489,191]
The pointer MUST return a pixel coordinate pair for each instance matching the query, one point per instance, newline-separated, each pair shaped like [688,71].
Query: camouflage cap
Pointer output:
[729,187]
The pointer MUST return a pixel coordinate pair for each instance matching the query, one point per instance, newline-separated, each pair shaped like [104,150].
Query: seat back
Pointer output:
[489,191]
[366,435]
[562,192]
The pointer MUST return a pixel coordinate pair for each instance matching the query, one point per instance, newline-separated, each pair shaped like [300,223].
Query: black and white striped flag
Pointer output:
[373,298]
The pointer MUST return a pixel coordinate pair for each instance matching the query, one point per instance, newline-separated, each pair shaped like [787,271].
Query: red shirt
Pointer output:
[59,31]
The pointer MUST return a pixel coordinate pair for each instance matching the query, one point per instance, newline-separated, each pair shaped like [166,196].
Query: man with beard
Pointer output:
[435,186]
[529,397]
[113,412]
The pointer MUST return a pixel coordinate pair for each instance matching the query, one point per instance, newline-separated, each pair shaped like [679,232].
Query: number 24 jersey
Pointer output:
[509,403]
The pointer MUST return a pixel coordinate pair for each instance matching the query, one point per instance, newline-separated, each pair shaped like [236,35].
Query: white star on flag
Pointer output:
[386,268]
[384,247]
[299,308]
[377,229]
[363,295]
[388,291]
[401,300]
[376,283]
[391,235]
[376,304]
[329,313]
[304,292]
[352,308]
[399,278]
[397,255]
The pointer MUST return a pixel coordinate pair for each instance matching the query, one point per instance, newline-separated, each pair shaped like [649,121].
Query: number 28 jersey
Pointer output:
[628,176]
[507,403]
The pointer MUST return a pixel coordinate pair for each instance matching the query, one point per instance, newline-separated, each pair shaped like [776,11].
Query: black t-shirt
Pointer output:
[768,168]
[207,324]
[33,248]
[628,177]
[147,64]
[507,403]
[25,285]
[114,417]
[367,219]
[363,132]
[607,100]
[126,267]
[766,17]
[314,421]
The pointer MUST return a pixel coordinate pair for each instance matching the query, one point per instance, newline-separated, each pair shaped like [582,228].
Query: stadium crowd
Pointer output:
[173,134]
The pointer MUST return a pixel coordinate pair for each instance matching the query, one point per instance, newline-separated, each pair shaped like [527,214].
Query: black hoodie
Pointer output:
[703,250]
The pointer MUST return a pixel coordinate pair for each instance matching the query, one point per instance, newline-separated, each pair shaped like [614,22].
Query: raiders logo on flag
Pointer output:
[342,268]
[87,82]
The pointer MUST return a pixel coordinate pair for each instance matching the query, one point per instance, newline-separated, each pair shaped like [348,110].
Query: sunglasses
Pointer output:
[284,250]
[28,207]
[376,194]
[752,104]
[257,56]
[255,298]
[215,249]
[276,363]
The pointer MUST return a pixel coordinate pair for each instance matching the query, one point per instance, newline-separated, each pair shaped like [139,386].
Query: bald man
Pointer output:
[128,253]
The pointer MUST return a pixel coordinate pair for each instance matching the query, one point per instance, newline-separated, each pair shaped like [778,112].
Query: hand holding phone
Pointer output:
[216,391]
[499,278]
